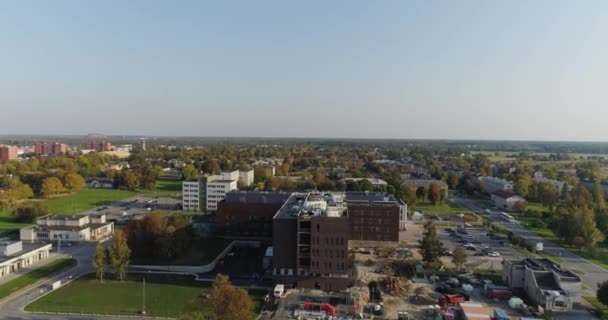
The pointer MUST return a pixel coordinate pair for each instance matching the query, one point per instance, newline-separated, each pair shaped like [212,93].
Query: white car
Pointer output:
[494,254]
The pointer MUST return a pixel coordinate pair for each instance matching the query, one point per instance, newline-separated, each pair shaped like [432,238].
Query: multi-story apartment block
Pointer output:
[191,195]
[246,177]
[59,148]
[98,146]
[311,233]
[216,191]
[50,148]
[88,227]
[8,153]
[490,185]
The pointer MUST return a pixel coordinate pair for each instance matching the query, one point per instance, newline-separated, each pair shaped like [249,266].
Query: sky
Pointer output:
[516,70]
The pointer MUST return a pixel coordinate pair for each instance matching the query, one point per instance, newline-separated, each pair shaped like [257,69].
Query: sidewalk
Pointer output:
[52,257]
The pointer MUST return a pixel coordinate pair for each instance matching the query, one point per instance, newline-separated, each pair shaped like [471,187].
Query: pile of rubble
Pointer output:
[424,296]
[396,286]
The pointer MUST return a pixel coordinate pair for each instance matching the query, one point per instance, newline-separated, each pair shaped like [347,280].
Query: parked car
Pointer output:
[446,252]
[494,254]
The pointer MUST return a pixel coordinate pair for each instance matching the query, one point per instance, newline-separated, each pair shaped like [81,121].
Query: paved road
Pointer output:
[593,274]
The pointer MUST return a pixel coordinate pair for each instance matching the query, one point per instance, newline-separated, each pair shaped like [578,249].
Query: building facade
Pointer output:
[246,177]
[8,153]
[504,200]
[15,255]
[216,192]
[191,195]
[490,185]
[76,228]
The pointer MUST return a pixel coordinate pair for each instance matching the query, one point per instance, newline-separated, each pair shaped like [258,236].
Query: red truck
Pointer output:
[451,299]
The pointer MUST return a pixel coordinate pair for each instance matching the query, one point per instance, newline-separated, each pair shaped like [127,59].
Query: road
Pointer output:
[592,273]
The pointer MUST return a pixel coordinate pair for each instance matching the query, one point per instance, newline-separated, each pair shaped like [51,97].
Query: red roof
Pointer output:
[504,194]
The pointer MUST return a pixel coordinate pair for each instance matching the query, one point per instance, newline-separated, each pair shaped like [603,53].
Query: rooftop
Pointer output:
[27,247]
[256,197]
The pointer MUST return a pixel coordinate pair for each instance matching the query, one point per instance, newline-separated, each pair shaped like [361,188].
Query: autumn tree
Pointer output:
[129,180]
[29,212]
[520,206]
[430,247]
[578,242]
[459,258]
[602,292]
[599,196]
[119,254]
[189,172]
[435,195]
[587,227]
[212,167]
[73,182]
[100,261]
[229,302]
[421,193]
[51,186]
[522,184]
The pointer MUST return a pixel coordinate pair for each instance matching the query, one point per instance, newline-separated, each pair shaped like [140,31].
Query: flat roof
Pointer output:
[26,248]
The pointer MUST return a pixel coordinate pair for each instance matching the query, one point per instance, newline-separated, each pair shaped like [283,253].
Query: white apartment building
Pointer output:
[246,177]
[492,184]
[75,228]
[216,191]
[191,195]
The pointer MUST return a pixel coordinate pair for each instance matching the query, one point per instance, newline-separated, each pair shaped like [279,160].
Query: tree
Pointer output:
[435,194]
[130,180]
[73,182]
[119,254]
[421,193]
[520,206]
[365,185]
[229,302]
[459,258]
[29,212]
[453,179]
[578,242]
[602,292]
[587,227]
[430,246]
[212,167]
[189,172]
[548,194]
[100,261]
[580,196]
[588,170]
[51,186]
[522,185]
[408,195]
[598,196]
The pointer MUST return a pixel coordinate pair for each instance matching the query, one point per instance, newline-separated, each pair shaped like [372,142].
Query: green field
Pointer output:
[536,207]
[8,226]
[502,155]
[602,308]
[166,296]
[85,200]
[165,187]
[446,208]
[34,276]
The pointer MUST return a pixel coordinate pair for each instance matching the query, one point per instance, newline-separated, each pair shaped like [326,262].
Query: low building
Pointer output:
[539,177]
[15,255]
[490,185]
[545,282]
[74,228]
[8,153]
[99,183]
[374,181]
[504,200]
[425,183]
[216,191]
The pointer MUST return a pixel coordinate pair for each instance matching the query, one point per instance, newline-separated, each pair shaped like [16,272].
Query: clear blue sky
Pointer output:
[377,69]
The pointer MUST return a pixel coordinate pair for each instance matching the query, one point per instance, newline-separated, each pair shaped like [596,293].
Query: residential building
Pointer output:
[124,148]
[8,153]
[191,195]
[491,184]
[15,255]
[216,191]
[74,228]
[50,148]
[248,214]
[246,177]
[374,181]
[539,177]
[426,183]
[59,148]
[544,282]
[99,182]
[504,200]
[311,233]
[98,146]
[269,170]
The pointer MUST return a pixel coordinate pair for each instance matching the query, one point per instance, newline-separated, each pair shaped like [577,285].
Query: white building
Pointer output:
[15,255]
[216,191]
[75,228]
[246,177]
[191,195]
[539,177]
[490,185]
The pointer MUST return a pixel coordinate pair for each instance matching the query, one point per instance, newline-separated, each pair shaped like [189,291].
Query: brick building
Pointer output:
[59,148]
[50,148]
[8,153]
[311,233]
[98,146]
[248,214]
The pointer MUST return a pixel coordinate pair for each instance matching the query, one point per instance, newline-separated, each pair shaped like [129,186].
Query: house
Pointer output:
[15,255]
[539,177]
[99,183]
[506,200]
[545,282]
[491,184]
[74,228]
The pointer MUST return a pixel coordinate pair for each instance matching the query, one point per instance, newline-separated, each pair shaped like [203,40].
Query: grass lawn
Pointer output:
[602,308]
[34,276]
[446,208]
[86,199]
[536,207]
[8,226]
[165,187]
[202,253]
[166,296]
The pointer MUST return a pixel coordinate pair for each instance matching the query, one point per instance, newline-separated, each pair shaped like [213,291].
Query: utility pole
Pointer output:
[143,309]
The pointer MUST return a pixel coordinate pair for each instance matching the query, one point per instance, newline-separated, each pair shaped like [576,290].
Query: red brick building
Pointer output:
[8,153]
[98,146]
[59,148]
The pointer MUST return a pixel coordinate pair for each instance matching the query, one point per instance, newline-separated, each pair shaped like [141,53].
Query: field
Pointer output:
[602,308]
[165,187]
[85,200]
[35,275]
[8,226]
[166,296]
[503,155]
[446,208]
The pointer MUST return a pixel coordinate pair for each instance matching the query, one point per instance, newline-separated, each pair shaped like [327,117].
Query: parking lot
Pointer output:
[135,207]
